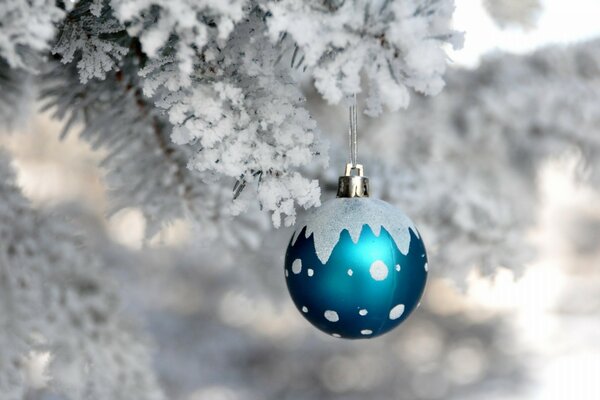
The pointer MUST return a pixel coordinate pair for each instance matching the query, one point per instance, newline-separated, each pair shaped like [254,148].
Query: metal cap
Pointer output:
[351,185]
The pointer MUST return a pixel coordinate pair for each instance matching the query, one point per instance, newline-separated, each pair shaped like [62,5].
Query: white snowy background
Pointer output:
[499,171]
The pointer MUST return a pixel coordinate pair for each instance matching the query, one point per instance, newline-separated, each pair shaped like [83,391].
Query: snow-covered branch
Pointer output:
[396,44]
[59,318]
[26,29]
[222,78]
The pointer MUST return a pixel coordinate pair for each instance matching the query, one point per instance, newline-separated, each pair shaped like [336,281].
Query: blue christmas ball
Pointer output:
[356,268]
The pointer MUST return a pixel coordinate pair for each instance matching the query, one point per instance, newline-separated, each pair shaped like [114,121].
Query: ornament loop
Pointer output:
[353,185]
[353,167]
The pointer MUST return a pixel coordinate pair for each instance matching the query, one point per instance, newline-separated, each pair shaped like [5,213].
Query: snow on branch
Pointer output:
[58,315]
[249,123]
[145,169]
[211,89]
[26,27]
[179,28]
[239,120]
[396,44]
[98,40]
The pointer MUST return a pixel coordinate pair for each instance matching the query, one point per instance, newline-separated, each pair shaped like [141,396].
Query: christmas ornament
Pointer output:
[357,266]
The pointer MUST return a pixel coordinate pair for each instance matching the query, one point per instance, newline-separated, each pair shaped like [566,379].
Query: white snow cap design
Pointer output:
[327,222]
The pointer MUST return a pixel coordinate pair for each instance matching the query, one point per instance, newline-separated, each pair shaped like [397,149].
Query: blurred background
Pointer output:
[223,327]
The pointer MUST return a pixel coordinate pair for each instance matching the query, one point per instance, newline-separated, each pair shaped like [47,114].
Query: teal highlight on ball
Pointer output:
[364,290]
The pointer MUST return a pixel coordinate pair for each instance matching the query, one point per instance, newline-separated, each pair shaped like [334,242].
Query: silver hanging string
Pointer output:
[352,135]
[353,183]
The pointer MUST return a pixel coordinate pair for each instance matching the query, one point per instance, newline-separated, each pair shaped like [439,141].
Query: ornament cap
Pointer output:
[353,183]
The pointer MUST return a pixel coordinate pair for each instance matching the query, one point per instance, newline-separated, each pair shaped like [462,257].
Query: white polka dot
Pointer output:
[350,272]
[398,267]
[397,311]
[379,271]
[336,335]
[310,272]
[297,266]
[287,273]
[304,309]
[366,332]
[363,312]
[331,316]
[426,267]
